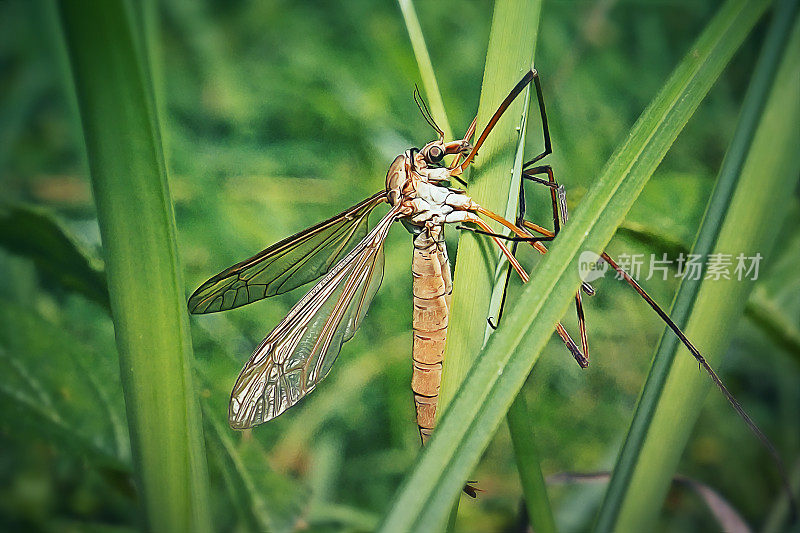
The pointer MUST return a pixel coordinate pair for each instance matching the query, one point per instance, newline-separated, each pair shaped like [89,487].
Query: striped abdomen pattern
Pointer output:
[432,287]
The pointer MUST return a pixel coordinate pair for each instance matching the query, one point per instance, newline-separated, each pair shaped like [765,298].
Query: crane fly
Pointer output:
[347,259]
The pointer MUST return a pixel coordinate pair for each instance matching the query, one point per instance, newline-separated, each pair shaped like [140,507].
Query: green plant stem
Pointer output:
[425,66]
[735,222]
[510,53]
[115,99]
[481,401]
[526,452]
[494,182]
[520,423]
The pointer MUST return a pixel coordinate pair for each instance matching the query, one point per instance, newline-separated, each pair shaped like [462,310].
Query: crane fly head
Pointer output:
[433,152]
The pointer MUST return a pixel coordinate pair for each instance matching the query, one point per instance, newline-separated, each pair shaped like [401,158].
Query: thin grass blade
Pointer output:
[494,183]
[425,66]
[534,488]
[526,454]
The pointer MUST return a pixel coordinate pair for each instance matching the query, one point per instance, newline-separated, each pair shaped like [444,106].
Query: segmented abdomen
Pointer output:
[432,287]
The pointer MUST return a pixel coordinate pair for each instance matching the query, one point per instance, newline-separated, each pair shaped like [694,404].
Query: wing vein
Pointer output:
[299,351]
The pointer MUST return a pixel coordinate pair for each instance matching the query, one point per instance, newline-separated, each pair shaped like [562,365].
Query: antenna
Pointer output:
[426,113]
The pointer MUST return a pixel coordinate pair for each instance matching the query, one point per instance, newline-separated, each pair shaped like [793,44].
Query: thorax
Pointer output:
[411,183]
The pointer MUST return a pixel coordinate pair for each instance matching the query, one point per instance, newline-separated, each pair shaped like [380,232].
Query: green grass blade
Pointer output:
[735,222]
[520,426]
[503,365]
[114,91]
[494,183]
[526,454]
[425,66]
[520,423]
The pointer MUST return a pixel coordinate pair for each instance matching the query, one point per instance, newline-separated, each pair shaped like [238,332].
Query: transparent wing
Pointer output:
[300,351]
[286,265]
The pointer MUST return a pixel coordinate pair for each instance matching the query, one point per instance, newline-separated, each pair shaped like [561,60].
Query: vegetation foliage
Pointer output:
[275,115]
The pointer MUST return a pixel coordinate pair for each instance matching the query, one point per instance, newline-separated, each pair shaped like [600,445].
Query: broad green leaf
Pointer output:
[60,260]
[52,384]
[263,499]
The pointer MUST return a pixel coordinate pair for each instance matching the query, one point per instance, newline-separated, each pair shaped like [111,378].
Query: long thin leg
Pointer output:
[585,287]
[531,75]
[545,129]
[576,352]
[558,195]
[559,208]
[703,363]
[511,259]
[518,88]
[580,354]
[558,198]
[582,357]
[709,370]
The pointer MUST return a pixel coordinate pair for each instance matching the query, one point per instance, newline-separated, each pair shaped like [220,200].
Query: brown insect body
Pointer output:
[432,287]
[408,177]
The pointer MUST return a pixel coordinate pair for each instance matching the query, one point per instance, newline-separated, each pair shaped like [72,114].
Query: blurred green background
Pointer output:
[280,114]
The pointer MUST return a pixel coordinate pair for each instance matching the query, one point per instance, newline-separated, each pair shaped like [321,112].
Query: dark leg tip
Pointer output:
[471,490]
[581,359]
[587,289]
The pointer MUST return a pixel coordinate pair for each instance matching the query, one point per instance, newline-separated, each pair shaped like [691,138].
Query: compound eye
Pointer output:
[435,154]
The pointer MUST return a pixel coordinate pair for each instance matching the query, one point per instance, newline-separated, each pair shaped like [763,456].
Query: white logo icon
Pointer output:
[591,266]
